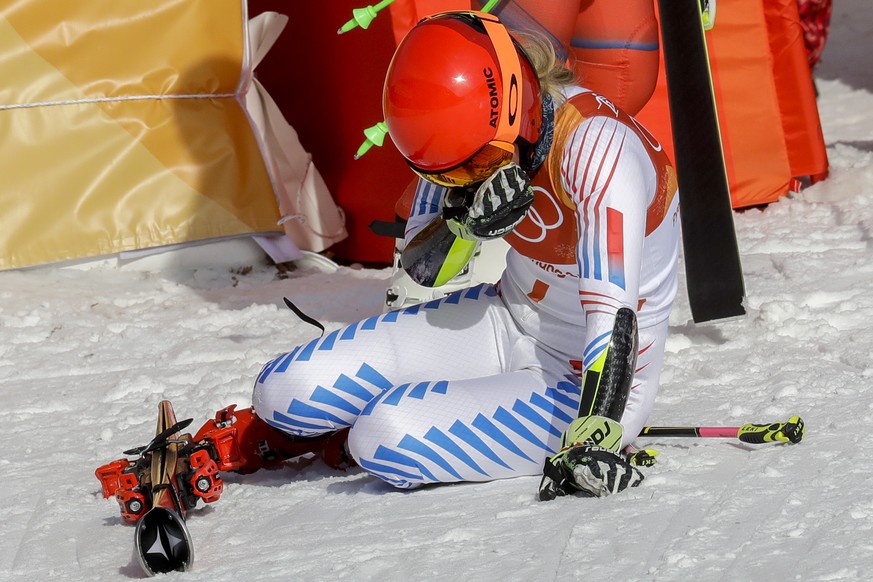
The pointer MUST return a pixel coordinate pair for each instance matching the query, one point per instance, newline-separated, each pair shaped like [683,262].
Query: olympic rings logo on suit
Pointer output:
[535,219]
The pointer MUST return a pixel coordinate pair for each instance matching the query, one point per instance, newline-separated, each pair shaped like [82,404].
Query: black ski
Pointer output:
[712,260]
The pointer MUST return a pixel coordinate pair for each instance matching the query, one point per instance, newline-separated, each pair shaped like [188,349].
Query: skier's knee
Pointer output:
[375,443]
[272,397]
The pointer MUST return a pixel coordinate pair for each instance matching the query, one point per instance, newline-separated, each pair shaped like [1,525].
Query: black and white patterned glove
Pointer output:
[599,472]
[494,208]
[589,471]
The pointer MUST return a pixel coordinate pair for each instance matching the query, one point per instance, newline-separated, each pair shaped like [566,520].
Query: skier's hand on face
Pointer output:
[490,209]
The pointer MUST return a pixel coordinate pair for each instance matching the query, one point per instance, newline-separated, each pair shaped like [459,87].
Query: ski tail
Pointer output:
[162,540]
[163,543]
[156,489]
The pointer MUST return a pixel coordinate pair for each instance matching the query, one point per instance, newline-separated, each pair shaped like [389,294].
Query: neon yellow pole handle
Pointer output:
[775,432]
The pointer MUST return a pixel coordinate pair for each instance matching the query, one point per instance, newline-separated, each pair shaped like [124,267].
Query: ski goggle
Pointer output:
[499,151]
[476,169]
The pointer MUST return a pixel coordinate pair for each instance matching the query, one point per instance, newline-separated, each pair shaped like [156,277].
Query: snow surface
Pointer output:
[86,354]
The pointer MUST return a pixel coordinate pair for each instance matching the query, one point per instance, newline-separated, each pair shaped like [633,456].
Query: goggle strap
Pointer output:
[510,71]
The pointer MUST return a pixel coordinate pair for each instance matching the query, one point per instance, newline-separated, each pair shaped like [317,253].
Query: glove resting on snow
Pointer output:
[491,209]
[588,462]
[589,470]
[599,472]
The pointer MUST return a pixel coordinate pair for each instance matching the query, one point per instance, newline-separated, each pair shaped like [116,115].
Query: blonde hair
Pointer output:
[551,73]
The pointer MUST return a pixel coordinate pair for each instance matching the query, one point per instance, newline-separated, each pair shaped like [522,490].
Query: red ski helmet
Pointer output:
[459,95]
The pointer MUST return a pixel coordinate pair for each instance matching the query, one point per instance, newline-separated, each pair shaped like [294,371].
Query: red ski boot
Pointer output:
[241,441]
[335,452]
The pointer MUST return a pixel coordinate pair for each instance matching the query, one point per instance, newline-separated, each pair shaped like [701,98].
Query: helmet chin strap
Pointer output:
[540,150]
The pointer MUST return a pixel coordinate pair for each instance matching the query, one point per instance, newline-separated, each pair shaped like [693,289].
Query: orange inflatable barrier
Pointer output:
[617,51]
[769,121]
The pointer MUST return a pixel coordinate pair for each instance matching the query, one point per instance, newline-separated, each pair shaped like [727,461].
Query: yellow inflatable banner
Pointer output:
[123,126]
